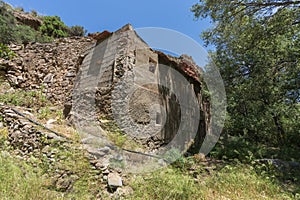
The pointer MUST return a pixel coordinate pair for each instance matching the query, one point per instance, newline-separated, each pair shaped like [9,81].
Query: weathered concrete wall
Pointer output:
[124,73]
[173,104]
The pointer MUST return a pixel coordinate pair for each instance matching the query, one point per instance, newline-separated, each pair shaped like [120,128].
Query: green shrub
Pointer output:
[7,23]
[76,31]
[54,27]
[25,34]
[5,52]
[3,135]
[24,98]
[11,32]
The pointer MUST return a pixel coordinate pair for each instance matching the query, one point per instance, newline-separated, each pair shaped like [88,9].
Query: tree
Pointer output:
[257,51]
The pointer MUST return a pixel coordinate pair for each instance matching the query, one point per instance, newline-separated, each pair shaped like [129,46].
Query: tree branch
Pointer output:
[267,4]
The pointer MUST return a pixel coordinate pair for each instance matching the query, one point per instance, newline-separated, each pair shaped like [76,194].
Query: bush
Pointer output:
[34,13]
[7,23]
[54,27]
[25,34]
[5,52]
[76,31]
[11,32]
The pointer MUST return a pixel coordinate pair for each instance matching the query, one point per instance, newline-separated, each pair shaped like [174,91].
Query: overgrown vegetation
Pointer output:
[5,52]
[20,181]
[37,178]
[230,182]
[12,31]
[117,136]
[24,98]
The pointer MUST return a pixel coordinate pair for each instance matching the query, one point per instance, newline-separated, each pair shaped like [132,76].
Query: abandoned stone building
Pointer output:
[115,78]
[151,96]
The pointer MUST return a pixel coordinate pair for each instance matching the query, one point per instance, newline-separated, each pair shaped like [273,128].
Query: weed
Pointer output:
[20,181]
[3,135]
[231,182]
[116,136]
[44,113]
[27,99]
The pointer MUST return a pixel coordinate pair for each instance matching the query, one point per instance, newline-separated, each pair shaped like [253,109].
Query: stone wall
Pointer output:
[49,67]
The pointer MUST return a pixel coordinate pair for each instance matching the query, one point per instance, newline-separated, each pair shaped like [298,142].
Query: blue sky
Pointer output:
[111,15]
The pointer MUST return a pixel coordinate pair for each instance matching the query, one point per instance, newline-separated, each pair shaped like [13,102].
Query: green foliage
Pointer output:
[231,182]
[24,98]
[20,181]
[257,52]
[54,27]
[76,31]
[234,148]
[25,34]
[116,136]
[165,184]
[7,23]
[12,32]
[3,134]
[5,52]
[34,13]
[19,9]
[85,182]
[44,113]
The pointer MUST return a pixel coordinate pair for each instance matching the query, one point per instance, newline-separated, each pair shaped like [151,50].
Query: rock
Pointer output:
[28,19]
[114,180]
[104,178]
[1,125]
[126,191]
[28,113]
[95,152]
[12,79]
[63,184]
[11,90]
[162,163]
[106,172]
[104,149]
[48,78]
[50,123]
[70,74]
[102,164]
